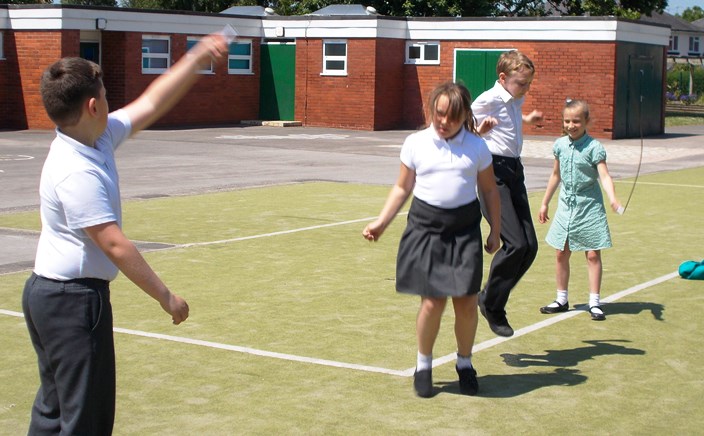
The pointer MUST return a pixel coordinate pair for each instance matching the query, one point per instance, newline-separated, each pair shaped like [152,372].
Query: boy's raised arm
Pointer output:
[164,92]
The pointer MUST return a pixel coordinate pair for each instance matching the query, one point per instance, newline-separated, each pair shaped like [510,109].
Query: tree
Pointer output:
[90,2]
[693,14]
[27,2]
[425,8]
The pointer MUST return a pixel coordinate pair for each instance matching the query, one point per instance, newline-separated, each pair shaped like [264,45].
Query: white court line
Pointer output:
[550,321]
[404,373]
[282,232]
[677,185]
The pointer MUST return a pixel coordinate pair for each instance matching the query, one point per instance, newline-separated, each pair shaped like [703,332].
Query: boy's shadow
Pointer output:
[511,385]
[633,308]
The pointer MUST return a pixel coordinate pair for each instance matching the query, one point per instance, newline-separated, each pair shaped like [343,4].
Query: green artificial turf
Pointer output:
[322,292]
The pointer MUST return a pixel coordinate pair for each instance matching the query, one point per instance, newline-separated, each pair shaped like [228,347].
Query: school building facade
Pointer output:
[364,72]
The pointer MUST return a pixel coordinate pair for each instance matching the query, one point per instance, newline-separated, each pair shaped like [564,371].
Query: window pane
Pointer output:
[155,45]
[240,49]
[238,64]
[335,49]
[413,52]
[155,63]
[431,53]
[335,65]
[190,44]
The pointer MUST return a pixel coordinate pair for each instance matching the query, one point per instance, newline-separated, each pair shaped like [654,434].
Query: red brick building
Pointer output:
[363,72]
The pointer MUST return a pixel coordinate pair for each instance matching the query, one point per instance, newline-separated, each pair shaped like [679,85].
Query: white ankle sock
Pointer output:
[424,362]
[464,361]
[561,298]
[593,299]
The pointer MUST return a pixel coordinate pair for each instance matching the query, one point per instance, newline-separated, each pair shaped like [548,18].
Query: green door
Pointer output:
[476,69]
[277,84]
[644,101]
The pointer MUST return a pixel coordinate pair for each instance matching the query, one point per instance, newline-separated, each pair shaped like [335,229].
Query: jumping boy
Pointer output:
[66,300]
[498,112]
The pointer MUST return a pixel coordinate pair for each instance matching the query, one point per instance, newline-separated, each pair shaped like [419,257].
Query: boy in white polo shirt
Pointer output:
[66,300]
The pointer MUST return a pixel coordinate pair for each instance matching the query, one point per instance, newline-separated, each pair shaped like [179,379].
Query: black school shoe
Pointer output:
[500,327]
[423,383]
[597,315]
[469,385]
[559,308]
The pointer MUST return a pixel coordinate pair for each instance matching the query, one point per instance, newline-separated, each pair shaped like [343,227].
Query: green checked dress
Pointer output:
[580,218]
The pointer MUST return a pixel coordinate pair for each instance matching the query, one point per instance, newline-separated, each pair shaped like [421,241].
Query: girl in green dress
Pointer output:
[580,221]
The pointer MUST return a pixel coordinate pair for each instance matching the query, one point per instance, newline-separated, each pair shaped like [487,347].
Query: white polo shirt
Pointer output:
[506,138]
[79,188]
[446,171]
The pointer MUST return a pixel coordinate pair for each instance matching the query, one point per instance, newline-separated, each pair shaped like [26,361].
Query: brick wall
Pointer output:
[336,101]
[12,109]
[219,98]
[32,53]
[563,69]
[389,90]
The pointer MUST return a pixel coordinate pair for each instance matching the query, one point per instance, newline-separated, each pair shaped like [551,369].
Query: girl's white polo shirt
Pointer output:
[446,171]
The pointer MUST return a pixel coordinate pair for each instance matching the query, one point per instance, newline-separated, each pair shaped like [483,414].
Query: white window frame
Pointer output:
[148,55]
[248,58]
[2,45]
[210,69]
[335,58]
[674,43]
[694,47]
[422,59]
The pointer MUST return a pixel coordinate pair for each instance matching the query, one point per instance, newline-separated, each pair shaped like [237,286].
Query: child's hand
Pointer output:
[176,307]
[534,117]
[543,214]
[617,207]
[373,231]
[493,241]
[213,46]
[487,124]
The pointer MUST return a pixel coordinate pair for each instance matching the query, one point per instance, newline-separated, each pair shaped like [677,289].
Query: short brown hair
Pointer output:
[460,103]
[512,61]
[66,85]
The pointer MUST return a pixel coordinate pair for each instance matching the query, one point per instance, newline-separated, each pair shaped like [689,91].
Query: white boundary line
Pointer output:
[403,373]
[676,185]
[552,320]
[282,232]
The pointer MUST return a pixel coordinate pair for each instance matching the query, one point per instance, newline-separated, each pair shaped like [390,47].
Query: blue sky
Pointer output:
[679,6]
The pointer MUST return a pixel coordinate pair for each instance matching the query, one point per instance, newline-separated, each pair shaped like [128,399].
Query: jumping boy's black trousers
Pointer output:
[70,324]
[520,244]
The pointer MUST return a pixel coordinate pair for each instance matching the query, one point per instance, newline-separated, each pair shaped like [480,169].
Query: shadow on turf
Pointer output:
[567,358]
[513,385]
[630,308]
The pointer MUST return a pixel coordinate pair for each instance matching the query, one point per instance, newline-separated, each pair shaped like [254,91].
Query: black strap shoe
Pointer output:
[555,309]
[597,313]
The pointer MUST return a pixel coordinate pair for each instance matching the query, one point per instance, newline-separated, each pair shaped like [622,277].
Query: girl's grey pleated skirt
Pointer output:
[440,252]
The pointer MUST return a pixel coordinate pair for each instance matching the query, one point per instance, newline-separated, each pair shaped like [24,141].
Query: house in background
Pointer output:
[360,71]
[686,42]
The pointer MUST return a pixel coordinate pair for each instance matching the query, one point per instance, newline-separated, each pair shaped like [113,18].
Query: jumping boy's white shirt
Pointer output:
[452,165]
[506,138]
[79,188]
